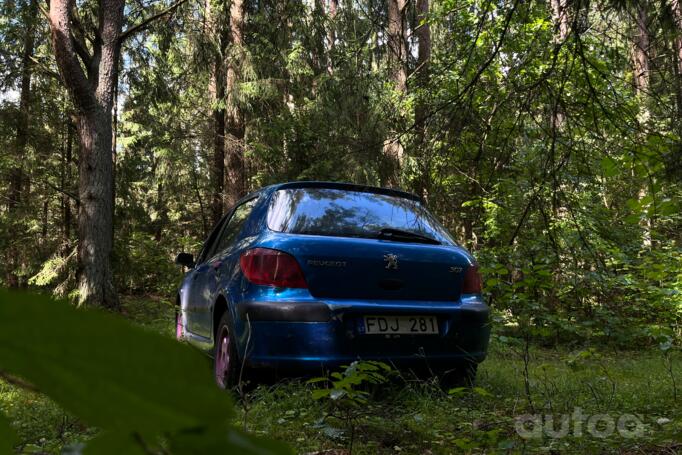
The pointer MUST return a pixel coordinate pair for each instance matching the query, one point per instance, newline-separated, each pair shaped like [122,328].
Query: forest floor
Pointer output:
[610,402]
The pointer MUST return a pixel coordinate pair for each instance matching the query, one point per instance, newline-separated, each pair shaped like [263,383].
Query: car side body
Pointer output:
[369,265]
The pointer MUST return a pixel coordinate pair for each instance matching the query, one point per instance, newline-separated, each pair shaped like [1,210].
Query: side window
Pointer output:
[233,226]
[210,242]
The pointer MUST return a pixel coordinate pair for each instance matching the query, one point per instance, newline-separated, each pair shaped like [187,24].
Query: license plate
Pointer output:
[414,325]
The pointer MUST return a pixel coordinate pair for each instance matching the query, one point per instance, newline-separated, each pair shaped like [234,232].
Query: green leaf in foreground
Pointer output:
[107,443]
[125,380]
[213,439]
[7,436]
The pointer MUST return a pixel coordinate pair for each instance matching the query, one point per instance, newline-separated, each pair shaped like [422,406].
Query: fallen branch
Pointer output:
[18,382]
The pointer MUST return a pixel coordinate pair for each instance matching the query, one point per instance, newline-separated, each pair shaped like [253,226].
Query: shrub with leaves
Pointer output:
[346,393]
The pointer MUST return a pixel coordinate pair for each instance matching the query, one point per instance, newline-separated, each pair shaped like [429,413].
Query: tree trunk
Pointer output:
[640,50]
[92,95]
[423,33]
[562,28]
[45,220]
[397,45]
[397,62]
[114,132]
[16,179]
[640,61]
[65,184]
[95,214]
[216,91]
[673,163]
[235,178]
[677,48]
[319,47]
[161,216]
[331,33]
[562,20]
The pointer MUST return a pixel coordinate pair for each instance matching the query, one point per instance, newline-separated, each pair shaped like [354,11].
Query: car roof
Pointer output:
[345,187]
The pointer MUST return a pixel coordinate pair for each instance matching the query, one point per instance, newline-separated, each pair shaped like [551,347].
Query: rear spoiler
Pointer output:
[349,187]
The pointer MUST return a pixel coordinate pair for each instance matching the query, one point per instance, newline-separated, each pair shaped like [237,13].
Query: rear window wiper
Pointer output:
[398,235]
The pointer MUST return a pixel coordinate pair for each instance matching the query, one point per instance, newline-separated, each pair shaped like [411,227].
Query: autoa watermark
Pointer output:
[531,426]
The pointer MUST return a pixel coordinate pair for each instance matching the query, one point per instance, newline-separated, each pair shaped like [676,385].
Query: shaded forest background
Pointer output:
[547,136]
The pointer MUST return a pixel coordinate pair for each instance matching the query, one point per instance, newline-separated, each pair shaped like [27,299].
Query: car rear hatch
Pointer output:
[366,243]
[358,268]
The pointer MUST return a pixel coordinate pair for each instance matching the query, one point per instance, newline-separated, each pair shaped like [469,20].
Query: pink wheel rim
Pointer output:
[222,359]
[178,326]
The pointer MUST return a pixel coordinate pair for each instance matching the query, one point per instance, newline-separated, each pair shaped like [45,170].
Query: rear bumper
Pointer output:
[312,311]
[313,334]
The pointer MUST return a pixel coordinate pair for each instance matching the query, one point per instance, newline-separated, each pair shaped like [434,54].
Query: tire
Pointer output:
[463,375]
[225,360]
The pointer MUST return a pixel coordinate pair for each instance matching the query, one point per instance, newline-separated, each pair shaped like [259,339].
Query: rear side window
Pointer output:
[233,226]
[332,212]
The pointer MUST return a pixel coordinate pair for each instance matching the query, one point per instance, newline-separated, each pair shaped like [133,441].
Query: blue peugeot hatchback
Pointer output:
[308,275]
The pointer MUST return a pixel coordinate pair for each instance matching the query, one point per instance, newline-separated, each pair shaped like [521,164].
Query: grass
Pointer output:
[417,417]
[411,416]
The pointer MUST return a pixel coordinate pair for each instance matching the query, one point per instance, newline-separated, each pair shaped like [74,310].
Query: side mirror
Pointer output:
[185,259]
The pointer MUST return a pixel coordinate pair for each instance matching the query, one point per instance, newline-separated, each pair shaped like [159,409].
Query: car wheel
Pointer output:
[178,324]
[225,361]
[463,375]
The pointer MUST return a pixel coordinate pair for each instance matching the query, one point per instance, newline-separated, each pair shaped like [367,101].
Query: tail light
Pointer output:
[272,268]
[472,281]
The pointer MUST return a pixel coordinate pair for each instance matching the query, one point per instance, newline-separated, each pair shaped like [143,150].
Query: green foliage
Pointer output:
[346,387]
[145,267]
[346,395]
[461,391]
[133,384]
[49,271]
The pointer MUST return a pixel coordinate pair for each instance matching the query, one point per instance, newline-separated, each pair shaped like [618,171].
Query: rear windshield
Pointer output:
[323,211]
